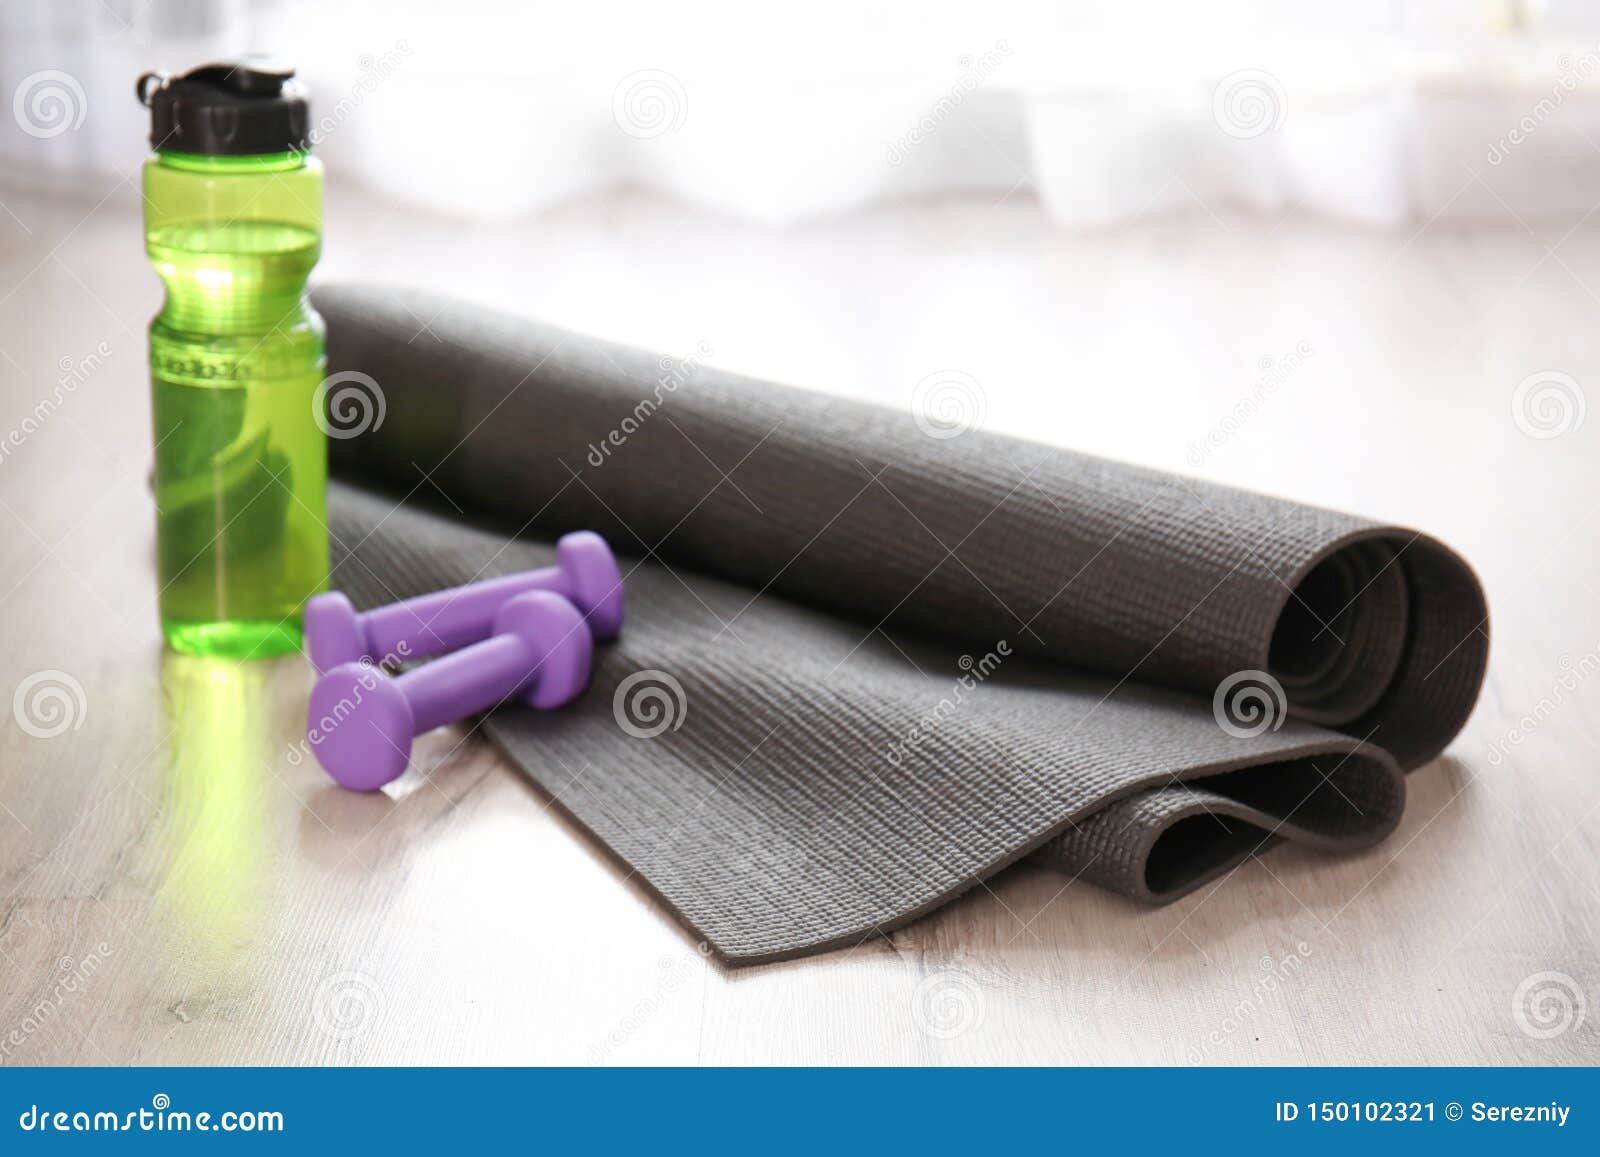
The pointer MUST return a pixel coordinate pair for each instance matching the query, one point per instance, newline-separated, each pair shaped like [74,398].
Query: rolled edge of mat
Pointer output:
[1415,698]
[1160,844]
[1126,844]
[1339,640]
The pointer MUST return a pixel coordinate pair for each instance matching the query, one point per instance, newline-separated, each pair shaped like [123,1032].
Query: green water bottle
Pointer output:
[233,224]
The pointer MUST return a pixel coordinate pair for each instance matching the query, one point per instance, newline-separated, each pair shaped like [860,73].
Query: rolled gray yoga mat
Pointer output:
[865,668]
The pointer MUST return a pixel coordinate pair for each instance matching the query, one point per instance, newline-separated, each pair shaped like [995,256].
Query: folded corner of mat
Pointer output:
[891,665]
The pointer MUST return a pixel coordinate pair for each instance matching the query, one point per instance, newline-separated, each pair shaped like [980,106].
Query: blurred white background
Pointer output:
[1375,112]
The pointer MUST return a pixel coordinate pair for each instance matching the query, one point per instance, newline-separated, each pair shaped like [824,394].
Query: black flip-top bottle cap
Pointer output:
[245,108]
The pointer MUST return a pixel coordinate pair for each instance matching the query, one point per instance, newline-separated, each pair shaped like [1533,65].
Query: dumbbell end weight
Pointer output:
[333,631]
[360,726]
[596,582]
[562,648]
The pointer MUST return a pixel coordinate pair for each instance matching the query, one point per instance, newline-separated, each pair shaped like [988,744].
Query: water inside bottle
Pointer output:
[241,469]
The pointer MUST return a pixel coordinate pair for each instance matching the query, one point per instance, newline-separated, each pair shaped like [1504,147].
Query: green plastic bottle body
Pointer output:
[236,358]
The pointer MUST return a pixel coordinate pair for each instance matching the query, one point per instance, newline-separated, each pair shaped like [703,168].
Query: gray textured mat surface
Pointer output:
[904,661]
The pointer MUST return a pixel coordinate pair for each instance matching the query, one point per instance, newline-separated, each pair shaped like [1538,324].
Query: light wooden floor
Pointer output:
[175,888]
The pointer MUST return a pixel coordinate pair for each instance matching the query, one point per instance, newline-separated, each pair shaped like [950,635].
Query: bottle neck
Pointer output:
[233,238]
[233,276]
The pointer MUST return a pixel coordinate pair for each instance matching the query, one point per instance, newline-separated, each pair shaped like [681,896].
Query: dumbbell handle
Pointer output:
[442,621]
[467,681]
[585,575]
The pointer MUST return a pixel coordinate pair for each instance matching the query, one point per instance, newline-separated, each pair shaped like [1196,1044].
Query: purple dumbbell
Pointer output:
[585,574]
[361,720]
